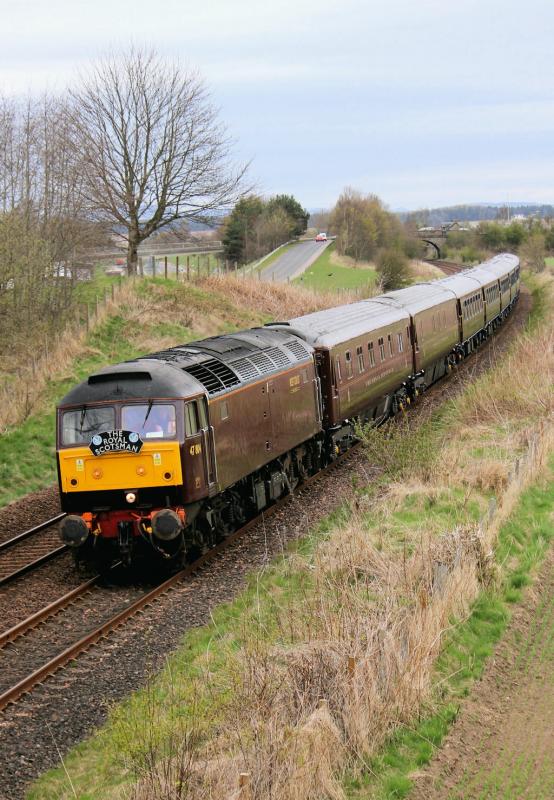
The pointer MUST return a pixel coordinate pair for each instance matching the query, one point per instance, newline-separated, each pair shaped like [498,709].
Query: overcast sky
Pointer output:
[422,102]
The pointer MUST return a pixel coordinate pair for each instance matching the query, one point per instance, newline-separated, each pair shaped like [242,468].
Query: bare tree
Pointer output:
[153,150]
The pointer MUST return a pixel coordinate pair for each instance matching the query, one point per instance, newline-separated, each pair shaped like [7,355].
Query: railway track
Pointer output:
[44,642]
[28,550]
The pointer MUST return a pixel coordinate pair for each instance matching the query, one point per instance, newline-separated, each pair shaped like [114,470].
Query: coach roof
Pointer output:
[341,324]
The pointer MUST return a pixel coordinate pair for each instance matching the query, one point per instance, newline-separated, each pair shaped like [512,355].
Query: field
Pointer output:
[328,274]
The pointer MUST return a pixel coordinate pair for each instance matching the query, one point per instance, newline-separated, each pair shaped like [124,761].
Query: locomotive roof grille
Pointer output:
[279,358]
[262,362]
[245,368]
[298,350]
[213,375]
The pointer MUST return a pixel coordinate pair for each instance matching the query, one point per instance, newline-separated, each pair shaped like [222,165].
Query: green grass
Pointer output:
[526,538]
[550,261]
[323,275]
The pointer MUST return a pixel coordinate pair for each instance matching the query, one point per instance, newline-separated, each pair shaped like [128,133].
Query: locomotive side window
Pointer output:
[360,354]
[371,354]
[202,413]
[348,358]
[80,425]
[191,419]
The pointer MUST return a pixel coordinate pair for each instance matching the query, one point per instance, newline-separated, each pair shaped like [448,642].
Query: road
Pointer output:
[294,261]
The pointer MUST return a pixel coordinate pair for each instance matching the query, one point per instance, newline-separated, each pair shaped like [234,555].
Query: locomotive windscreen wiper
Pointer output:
[83,415]
[150,404]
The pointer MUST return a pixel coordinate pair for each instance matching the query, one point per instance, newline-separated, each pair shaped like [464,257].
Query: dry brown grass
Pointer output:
[279,301]
[423,271]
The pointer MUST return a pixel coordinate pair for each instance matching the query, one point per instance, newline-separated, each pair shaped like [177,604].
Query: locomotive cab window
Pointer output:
[151,421]
[81,424]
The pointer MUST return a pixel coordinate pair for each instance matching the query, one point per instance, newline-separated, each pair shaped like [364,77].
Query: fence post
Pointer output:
[87,317]
[113,291]
[244,786]
[177,268]
[165,267]
[188,268]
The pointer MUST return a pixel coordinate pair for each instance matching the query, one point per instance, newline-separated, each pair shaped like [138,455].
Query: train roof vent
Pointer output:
[263,363]
[245,368]
[214,375]
[279,358]
[298,350]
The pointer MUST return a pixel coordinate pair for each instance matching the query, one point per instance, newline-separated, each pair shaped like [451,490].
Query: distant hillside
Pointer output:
[477,211]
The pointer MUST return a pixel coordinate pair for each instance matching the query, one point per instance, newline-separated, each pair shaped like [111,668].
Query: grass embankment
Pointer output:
[147,315]
[329,677]
[331,272]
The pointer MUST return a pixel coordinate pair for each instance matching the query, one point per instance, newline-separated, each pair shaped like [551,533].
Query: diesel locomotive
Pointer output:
[165,455]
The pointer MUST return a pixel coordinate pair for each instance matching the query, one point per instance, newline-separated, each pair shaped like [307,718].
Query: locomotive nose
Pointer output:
[166,525]
[73,531]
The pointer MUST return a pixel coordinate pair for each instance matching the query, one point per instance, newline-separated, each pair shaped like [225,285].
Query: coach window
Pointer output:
[224,410]
[371,354]
[191,419]
[360,354]
[348,359]
[381,343]
[390,345]
[408,337]
[400,343]
[339,374]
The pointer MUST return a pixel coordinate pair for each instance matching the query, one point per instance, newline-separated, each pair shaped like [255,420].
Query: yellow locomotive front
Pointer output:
[120,444]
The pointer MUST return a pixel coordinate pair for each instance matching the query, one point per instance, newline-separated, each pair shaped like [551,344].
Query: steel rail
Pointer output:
[38,676]
[33,564]
[25,535]
[11,634]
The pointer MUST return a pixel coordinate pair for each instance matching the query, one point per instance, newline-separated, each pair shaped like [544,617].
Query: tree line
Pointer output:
[256,226]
